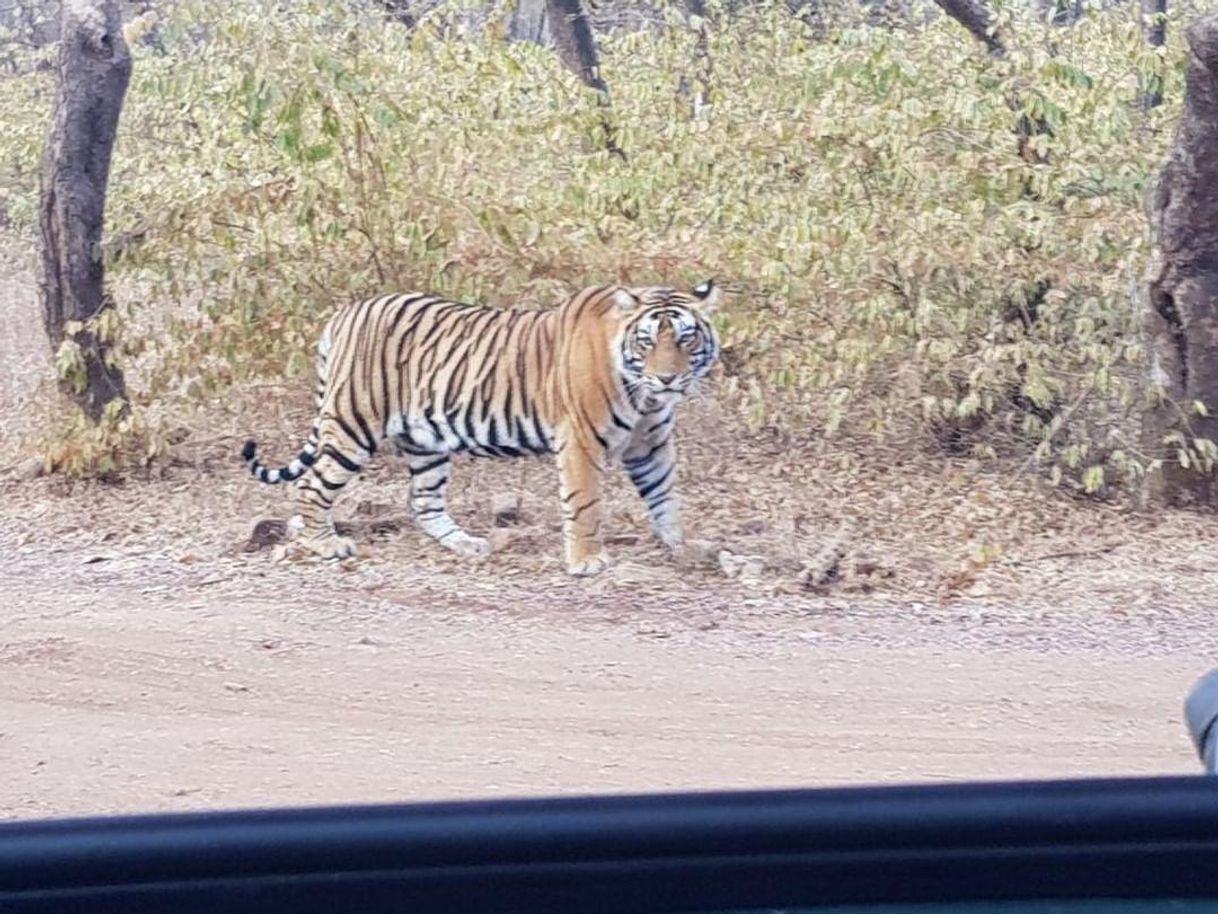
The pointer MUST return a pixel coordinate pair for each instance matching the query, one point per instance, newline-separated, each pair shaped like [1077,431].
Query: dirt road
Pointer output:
[137,682]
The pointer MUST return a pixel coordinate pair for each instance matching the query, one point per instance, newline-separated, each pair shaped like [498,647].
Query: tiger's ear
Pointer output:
[625,302]
[707,295]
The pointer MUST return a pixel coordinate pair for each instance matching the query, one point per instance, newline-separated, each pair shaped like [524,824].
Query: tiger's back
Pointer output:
[440,377]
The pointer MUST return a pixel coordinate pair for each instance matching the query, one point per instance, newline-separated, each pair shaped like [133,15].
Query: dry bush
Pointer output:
[906,278]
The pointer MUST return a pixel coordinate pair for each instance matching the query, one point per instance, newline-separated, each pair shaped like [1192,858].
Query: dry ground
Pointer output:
[147,662]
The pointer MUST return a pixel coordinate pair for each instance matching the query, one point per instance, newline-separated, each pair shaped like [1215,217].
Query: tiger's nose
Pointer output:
[666,379]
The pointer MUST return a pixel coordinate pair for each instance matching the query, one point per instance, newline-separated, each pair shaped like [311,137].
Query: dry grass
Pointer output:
[917,532]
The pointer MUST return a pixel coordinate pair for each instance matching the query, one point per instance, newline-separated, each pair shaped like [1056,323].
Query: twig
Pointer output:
[1060,423]
[1065,554]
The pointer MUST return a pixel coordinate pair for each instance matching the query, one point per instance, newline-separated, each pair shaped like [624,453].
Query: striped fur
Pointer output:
[593,381]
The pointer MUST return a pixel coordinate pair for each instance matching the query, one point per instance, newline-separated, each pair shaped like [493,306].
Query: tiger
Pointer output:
[593,381]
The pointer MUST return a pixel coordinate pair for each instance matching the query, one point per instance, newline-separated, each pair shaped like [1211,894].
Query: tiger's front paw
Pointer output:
[671,536]
[331,548]
[464,544]
[586,567]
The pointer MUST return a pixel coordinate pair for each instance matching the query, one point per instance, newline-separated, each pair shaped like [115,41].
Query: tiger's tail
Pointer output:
[308,454]
[294,470]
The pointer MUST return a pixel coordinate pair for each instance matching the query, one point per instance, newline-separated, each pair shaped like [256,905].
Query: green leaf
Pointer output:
[1093,479]
[318,152]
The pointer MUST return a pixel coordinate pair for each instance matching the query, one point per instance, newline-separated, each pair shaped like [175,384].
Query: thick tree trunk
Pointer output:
[1154,23]
[1182,280]
[94,69]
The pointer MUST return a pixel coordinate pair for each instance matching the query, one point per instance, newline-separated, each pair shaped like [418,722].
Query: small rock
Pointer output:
[500,539]
[505,509]
[746,568]
[266,532]
[236,687]
[697,554]
[623,539]
[32,468]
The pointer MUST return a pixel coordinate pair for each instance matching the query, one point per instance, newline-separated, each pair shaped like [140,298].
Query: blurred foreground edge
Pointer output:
[713,852]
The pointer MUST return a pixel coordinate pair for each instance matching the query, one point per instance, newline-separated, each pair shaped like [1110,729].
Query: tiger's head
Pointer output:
[666,343]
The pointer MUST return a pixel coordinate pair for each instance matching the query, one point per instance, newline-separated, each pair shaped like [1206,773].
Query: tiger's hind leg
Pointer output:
[313,525]
[428,483]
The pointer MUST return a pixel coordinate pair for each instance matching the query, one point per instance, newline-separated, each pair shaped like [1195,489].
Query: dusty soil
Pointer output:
[975,627]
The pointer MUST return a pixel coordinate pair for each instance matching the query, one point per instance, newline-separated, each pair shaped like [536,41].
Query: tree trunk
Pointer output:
[572,34]
[94,69]
[399,11]
[1182,280]
[1154,23]
[975,17]
[565,25]
[529,22]
[697,12]
[1062,12]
